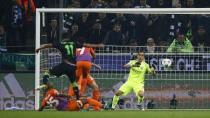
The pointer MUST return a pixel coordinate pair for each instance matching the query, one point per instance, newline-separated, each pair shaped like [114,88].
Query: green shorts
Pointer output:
[128,87]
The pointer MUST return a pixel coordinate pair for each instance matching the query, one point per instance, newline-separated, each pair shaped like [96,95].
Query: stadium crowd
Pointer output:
[17,24]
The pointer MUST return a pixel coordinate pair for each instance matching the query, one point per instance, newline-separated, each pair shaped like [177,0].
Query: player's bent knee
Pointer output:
[141,93]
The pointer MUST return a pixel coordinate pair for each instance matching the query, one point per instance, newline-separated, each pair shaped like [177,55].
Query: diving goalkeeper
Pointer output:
[135,82]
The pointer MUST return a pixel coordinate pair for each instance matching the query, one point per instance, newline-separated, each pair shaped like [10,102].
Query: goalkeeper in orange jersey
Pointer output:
[62,102]
[84,64]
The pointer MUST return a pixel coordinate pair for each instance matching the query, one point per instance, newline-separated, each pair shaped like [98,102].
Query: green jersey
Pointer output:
[181,47]
[138,71]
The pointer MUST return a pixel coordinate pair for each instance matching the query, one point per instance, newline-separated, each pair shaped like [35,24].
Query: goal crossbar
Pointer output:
[129,10]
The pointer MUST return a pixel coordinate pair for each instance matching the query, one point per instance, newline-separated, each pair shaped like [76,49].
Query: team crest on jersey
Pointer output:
[141,67]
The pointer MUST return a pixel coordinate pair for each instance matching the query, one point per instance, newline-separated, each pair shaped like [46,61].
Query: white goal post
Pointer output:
[101,10]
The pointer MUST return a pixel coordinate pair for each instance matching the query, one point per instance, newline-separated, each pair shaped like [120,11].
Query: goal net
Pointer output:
[186,80]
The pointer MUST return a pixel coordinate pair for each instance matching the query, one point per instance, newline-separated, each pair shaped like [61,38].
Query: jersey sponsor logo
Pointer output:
[12,94]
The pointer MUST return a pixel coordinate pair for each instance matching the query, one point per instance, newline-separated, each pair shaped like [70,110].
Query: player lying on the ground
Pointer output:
[67,48]
[84,64]
[62,102]
[138,68]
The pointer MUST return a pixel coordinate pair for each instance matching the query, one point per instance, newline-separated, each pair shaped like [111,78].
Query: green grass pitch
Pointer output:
[108,114]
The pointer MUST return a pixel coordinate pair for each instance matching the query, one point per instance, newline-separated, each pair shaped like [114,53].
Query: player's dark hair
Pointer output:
[141,52]
[66,37]
[133,57]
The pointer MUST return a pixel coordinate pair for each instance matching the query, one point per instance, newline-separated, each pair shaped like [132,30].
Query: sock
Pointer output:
[140,99]
[76,92]
[96,94]
[115,101]
[45,78]
[71,91]
[83,86]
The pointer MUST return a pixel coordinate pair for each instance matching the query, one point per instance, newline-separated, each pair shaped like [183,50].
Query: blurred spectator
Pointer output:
[68,21]
[85,23]
[28,7]
[132,42]
[115,36]
[121,19]
[96,4]
[28,11]
[162,4]
[104,21]
[74,33]
[53,31]
[3,39]
[173,102]
[75,4]
[97,35]
[151,46]
[140,24]
[174,24]
[84,3]
[142,4]
[15,28]
[113,4]
[181,45]
[190,4]
[201,39]
[163,45]
[154,23]
[127,4]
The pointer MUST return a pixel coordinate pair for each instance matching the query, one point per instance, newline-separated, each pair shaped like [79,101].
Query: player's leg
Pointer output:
[139,91]
[72,106]
[78,79]
[70,71]
[56,70]
[86,67]
[92,83]
[96,104]
[124,90]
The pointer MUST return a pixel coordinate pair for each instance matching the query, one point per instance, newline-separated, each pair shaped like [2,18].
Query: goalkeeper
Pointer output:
[135,82]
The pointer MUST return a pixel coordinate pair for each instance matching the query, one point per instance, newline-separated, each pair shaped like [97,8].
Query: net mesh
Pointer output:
[187,79]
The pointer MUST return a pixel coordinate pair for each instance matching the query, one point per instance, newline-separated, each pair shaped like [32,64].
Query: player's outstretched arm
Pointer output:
[97,66]
[49,45]
[128,65]
[152,71]
[93,45]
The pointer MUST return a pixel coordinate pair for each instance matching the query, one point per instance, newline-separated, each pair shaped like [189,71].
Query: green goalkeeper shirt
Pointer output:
[138,71]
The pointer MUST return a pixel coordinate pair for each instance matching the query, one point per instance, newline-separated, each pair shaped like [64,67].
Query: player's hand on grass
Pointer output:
[79,103]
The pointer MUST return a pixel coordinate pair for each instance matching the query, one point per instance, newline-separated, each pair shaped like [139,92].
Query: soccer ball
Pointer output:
[166,62]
